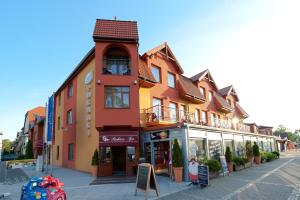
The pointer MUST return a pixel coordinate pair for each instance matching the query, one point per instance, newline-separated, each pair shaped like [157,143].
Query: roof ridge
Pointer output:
[116,20]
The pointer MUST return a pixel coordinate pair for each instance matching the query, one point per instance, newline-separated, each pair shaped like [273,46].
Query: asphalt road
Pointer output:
[276,180]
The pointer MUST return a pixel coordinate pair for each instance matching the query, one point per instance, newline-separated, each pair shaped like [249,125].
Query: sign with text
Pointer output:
[50,119]
[146,178]
[203,175]
[224,165]
[116,140]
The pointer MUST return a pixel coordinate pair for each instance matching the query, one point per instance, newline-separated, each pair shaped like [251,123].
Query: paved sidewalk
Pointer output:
[276,180]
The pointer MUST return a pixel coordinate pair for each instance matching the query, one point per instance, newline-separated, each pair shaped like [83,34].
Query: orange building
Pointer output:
[118,101]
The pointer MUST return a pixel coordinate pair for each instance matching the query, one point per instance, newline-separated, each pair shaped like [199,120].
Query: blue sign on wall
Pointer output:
[50,118]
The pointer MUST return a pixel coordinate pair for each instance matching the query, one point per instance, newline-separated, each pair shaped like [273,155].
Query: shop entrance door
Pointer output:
[119,160]
[162,157]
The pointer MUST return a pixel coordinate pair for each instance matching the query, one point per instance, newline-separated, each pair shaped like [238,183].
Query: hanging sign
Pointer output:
[146,178]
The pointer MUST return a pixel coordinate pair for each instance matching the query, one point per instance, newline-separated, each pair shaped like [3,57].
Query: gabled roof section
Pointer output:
[144,72]
[205,74]
[241,111]
[116,30]
[38,111]
[222,104]
[229,90]
[166,51]
[189,90]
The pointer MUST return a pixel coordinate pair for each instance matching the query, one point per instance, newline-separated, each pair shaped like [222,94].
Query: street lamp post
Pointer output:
[1,145]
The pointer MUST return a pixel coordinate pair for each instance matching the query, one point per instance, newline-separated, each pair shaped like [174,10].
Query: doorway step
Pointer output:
[113,180]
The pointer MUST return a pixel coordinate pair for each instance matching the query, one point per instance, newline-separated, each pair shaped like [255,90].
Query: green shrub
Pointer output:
[177,155]
[276,153]
[228,155]
[245,160]
[213,165]
[239,161]
[249,150]
[270,156]
[255,149]
[29,151]
[95,158]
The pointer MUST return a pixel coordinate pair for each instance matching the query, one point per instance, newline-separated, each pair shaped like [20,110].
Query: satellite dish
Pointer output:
[88,77]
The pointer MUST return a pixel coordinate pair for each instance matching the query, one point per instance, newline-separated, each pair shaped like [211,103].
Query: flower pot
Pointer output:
[257,159]
[178,174]
[230,167]
[94,170]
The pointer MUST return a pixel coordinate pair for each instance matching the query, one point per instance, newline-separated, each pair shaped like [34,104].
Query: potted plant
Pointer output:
[214,168]
[95,163]
[256,153]
[249,151]
[177,161]
[228,157]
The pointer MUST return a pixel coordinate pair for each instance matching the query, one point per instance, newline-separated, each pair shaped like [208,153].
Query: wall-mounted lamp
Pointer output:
[135,82]
[98,82]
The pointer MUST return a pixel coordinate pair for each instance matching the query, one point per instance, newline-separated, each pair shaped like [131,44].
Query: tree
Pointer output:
[6,146]
[177,155]
[256,149]
[228,154]
[95,158]
[29,151]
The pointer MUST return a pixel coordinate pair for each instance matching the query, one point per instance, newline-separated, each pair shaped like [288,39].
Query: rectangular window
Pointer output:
[116,66]
[229,102]
[69,117]
[105,154]
[70,152]
[156,73]
[213,119]
[183,113]
[58,123]
[57,152]
[202,90]
[157,108]
[116,97]
[131,153]
[173,112]
[210,95]
[70,90]
[171,80]
[196,116]
[203,117]
[59,99]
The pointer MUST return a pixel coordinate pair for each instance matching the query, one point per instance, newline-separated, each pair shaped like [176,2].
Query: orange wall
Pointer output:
[112,117]
[59,112]
[85,144]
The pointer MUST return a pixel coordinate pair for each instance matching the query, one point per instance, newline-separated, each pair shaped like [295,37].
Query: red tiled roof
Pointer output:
[35,111]
[224,91]
[189,88]
[144,72]
[116,30]
[222,102]
[198,76]
[241,110]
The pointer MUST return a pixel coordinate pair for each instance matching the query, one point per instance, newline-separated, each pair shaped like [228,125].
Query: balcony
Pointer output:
[162,115]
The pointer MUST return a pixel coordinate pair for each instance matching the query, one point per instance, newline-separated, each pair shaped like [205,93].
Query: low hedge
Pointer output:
[213,165]
[239,161]
[268,156]
[276,153]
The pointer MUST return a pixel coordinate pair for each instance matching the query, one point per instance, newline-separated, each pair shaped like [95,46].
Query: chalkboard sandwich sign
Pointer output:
[145,178]
[203,175]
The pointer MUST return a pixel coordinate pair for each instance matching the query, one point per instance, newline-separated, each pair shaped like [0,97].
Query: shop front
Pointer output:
[118,153]
[158,148]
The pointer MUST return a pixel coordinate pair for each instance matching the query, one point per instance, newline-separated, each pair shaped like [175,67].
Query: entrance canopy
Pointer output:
[118,138]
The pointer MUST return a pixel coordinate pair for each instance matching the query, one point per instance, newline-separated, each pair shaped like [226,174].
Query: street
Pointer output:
[277,180]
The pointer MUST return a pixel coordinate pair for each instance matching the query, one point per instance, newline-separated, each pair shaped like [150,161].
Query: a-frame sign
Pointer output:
[146,178]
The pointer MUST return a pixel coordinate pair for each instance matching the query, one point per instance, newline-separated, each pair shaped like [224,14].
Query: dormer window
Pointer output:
[116,62]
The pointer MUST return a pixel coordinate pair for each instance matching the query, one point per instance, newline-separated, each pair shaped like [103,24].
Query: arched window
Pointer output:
[116,61]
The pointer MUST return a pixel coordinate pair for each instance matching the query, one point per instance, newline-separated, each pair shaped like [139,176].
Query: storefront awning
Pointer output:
[118,138]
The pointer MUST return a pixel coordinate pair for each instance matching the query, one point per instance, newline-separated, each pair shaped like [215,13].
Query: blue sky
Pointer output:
[42,41]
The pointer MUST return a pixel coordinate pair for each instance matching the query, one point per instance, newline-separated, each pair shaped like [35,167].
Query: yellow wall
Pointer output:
[145,102]
[85,144]
[59,110]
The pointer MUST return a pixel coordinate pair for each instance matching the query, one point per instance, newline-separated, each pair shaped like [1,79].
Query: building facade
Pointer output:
[127,104]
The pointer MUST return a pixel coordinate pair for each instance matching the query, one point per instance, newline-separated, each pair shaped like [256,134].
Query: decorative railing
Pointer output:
[162,113]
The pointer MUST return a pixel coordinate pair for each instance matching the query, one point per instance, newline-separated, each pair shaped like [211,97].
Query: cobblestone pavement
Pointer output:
[277,180]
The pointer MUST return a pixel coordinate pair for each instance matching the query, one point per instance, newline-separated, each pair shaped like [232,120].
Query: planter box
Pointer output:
[213,175]
[238,168]
[248,164]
